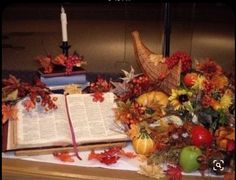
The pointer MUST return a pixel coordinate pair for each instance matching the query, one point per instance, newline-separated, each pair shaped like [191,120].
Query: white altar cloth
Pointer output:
[122,164]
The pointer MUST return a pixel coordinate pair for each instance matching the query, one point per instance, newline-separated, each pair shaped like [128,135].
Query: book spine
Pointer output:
[64,80]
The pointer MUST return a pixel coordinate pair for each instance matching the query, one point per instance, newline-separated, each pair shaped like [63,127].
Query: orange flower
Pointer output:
[219,81]
[209,68]
[8,112]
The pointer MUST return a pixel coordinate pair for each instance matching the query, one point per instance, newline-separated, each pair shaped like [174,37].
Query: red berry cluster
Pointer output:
[179,56]
[132,114]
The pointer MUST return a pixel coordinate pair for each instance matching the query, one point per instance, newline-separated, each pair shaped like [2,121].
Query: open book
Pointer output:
[91,123]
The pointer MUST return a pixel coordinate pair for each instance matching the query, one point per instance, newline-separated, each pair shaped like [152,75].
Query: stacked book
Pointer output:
[59,79]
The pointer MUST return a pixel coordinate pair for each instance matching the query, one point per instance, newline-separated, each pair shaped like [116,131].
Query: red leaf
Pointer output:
[110,155]
[174,172]
[63,156]
[94,155]
[127,154]
[98,96]
[29,104]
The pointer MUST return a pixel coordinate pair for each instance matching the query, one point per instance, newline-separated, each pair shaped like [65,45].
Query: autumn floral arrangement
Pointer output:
[50,64]
[189,130]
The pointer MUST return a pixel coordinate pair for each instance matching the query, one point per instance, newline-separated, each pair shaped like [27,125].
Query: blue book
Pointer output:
[61,78]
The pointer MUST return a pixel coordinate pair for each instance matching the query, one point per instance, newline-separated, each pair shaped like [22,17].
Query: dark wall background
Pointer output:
[102,33]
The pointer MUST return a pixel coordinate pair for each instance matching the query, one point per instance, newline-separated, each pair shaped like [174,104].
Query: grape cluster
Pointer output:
[71,61]
[179,56]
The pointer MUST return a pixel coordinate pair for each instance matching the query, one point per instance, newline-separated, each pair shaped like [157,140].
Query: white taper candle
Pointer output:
[64,25]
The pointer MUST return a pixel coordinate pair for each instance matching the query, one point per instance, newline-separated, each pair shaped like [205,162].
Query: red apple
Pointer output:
[189,79]
[188,158]
[201,136]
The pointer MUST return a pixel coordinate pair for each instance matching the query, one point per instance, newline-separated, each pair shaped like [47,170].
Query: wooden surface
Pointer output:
[15,169]
[68,149]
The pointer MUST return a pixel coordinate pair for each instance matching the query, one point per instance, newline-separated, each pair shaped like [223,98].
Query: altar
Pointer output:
[101,103]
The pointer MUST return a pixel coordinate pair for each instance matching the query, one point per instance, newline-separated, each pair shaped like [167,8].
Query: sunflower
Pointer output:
[179,97]
[209,68]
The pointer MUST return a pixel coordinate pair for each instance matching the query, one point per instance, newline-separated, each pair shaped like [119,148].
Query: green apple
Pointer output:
[188,158]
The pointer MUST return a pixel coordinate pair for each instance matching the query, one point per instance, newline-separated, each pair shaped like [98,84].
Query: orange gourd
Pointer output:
[143,143]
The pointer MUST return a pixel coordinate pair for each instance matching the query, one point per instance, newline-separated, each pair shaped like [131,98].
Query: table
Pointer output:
[16,169]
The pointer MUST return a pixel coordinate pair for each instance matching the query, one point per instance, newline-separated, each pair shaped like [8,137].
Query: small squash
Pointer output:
[152,97]
[158,99]
[143,143]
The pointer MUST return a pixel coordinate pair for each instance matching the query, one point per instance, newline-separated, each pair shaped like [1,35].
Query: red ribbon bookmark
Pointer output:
[72,133]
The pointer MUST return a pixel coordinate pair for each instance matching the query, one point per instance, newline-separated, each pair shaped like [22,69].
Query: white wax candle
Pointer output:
[64,25]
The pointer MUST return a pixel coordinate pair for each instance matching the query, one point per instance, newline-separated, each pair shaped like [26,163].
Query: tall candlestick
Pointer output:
[64,25]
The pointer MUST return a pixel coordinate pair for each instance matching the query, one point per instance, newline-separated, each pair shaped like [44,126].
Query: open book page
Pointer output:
[37,128]
[92,120]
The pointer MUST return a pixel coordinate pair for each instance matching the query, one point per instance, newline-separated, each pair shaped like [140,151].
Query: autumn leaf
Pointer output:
[29,104]
[110,155]
[9,112]
[104,157]
[154,171]
[46,64]
[98,96]
[63,156]
[127,154]
[59,60]
[174,172]
[133,131]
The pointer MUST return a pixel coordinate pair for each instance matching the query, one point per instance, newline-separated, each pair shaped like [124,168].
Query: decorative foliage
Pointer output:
[13,90]
[8,112]
[174,173]
[64,156]
[185,59]
[49,63]
[110,155]
[98,96]
[203,99]
[154,171]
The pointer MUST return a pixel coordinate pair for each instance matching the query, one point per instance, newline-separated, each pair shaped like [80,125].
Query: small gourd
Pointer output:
[143,143]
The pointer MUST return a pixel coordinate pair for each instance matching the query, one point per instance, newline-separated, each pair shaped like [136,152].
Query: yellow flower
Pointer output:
[226,100]
[179,97]
[198,84]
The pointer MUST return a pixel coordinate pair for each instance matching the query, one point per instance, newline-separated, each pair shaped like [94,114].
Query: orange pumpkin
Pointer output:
[154,98]
[143,143]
